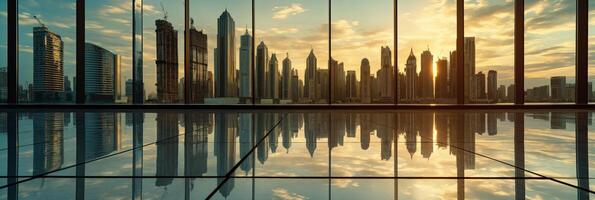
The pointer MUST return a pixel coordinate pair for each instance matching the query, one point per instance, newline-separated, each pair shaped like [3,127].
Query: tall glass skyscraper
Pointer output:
[246,65]
[101,71]
[262,62]
[48,65]
[225,68]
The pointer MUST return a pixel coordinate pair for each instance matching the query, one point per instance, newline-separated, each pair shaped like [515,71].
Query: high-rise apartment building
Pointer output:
[48,65]
[167,62]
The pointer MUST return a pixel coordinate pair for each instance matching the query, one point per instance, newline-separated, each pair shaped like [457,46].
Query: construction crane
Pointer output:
[39,21]
[164,11]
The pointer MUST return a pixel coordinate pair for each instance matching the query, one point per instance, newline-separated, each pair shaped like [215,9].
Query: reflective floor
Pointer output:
[297,155]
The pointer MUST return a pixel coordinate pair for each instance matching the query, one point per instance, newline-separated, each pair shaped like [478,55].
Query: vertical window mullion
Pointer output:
[519,52]
[13,52]
[80,52]
[460,52]
[582,52]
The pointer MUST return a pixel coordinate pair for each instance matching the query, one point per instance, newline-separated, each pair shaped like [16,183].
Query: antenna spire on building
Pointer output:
[164,11]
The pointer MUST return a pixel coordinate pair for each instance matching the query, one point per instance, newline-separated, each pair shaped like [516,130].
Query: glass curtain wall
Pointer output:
[427,37]
[221,52]
[550,29]
[47,51]
[292,52]
[363,52]
[489,32]
[108,51]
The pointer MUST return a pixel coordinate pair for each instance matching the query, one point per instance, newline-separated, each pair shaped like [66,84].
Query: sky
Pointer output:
[293,27]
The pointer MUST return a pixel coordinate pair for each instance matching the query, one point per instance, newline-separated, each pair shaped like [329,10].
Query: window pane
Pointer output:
[550,30]
[363,48]
[47,46]
[491,23]
[427,38]
[163,51]
[3,43]
[291,63]
[108,50]
[220,49]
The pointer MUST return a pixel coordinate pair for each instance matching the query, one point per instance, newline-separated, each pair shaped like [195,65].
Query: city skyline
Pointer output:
[152,10]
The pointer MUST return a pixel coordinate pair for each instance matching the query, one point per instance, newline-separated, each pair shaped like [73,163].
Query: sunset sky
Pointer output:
[359,29]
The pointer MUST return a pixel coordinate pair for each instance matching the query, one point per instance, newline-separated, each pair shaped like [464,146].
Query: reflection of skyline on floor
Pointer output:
[228,137]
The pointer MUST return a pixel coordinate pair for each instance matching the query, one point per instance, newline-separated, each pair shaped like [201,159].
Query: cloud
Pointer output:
[284,31]
[282,12]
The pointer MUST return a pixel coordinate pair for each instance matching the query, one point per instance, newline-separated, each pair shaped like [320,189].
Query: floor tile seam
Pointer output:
[237,165]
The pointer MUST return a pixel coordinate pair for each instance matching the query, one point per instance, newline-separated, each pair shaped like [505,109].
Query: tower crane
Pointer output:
[39,21]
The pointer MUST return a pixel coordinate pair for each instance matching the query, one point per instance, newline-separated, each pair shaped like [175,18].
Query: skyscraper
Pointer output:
[337,80]
[246,65]
[198,66]
[558,86]
[262,64]
[441,79]
[167,62]
[410,77]
[117,77]
[480,85]
[365,93]
[100,74]
[295,86]
[225,69]
[351,86]
[48,65]
[310,78]
[386,75]
[492,85]
[272,84]
[452,75]
[426,76]
[286,79]
[128,91]
[469,68]
[501,93]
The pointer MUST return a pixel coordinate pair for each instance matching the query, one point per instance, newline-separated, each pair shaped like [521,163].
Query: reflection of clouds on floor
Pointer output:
[282,193]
